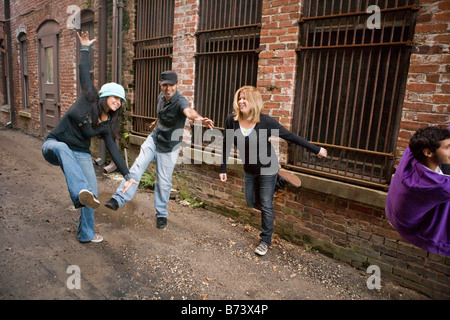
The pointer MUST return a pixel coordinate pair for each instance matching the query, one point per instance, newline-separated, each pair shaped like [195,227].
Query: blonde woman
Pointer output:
[250,131]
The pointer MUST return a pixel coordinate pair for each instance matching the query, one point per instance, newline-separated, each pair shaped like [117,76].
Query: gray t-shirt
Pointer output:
[168,132]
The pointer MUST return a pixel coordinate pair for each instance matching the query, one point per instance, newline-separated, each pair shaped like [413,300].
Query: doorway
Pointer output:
[50,109]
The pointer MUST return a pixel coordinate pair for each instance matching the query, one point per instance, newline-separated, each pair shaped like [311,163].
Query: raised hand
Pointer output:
[84,39]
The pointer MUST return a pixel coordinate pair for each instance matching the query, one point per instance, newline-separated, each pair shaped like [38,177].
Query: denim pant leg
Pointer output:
[59,154]
[86,223]
[266,191]
[251,184]
[146,155]
[165,164]
[259,189]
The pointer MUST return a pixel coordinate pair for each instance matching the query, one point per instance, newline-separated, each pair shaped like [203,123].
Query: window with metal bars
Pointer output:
[153,55]
[350,87]
[227,54]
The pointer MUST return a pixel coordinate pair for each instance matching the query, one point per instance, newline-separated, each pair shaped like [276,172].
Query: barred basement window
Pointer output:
[350,87]
[227,54]
[153,55]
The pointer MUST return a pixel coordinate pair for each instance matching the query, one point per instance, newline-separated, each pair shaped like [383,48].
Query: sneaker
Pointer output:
[262,248]
[290,178]
[112,204]
[161,222]
[88,199]
[97,239]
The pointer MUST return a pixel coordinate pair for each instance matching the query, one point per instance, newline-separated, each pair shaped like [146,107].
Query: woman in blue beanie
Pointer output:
[67,145]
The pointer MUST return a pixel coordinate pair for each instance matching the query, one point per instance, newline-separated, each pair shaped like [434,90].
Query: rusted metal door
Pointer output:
[153,48]
[353,64]
[49,76]
[227,54]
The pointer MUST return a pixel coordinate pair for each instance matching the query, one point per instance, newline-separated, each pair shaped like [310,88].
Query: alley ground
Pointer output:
[200,255]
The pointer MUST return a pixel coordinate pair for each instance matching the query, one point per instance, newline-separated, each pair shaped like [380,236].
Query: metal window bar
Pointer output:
[153,55]
[350,88]
[227,54]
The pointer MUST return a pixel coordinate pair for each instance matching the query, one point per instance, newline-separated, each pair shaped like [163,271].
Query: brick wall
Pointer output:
[184,45]
[2,36]
[36,13]
[28,16]
[427,98]
[278,61]
[353,232]
[350,231]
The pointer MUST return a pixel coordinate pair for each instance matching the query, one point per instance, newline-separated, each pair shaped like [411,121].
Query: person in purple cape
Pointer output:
[418,200]
[446,167]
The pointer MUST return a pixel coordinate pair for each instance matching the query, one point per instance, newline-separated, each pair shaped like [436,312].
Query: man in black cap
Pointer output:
[163,145]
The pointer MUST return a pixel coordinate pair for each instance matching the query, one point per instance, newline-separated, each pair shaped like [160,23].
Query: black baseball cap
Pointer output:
[168,77]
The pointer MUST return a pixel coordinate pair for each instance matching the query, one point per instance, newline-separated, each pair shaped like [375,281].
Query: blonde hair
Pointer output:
[253,96]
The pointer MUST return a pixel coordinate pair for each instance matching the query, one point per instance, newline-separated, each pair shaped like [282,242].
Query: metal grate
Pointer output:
[153,55]
[350,87]
[227,54]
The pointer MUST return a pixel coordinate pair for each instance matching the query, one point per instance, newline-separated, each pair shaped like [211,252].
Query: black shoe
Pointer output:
[112,204]
[161,222]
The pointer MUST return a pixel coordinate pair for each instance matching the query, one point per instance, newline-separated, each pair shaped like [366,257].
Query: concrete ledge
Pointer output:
[25,114]
[5,108]
[137,140]
[343,190]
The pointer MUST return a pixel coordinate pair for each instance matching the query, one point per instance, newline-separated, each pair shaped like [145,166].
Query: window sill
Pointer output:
[5,108]
[25,114]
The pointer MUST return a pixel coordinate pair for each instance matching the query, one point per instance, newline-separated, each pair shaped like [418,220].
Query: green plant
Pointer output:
[193,202]
[148,181]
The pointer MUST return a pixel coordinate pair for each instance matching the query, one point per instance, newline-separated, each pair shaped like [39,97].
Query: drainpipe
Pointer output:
[103,40]
[116,56]
[9,63]
[119,40]
[102,66]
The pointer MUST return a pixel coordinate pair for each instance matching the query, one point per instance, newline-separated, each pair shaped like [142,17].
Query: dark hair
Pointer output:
[98,109]
[427,138]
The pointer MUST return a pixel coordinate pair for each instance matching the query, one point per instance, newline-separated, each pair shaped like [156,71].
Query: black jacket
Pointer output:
[255,150]
[75,128]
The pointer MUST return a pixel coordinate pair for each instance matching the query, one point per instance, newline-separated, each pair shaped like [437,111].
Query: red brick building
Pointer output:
[354,80]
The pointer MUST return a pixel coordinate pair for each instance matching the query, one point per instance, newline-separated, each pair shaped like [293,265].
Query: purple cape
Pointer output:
[418,205]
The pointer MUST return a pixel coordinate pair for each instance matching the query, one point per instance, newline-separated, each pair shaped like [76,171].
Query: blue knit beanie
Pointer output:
[112,89]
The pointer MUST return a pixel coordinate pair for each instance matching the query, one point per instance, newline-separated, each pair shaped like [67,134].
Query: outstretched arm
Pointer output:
[193,115]
[291,137]
[87,86]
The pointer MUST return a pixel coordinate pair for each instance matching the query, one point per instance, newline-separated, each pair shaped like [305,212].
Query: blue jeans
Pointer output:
[80,174]
[165,164]
[259,189]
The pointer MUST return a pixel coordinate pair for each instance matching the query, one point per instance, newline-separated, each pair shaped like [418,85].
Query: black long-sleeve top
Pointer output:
[75,128]
[255,150]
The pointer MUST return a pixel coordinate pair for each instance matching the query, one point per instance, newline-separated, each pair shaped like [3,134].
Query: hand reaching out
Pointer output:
[128,184]
[322,153]
[206,121]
